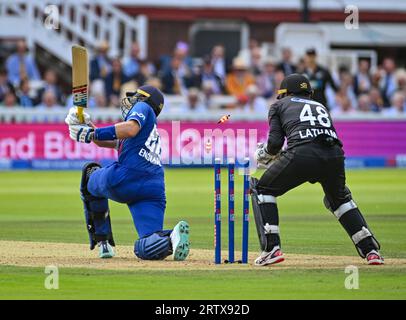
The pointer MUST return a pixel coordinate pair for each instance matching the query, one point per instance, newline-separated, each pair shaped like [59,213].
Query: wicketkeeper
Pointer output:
[136,179]
[313,154]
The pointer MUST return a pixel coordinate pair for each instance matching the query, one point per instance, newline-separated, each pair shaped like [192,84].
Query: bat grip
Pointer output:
[80,115]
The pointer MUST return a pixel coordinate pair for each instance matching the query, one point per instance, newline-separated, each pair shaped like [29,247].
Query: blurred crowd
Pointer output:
[251,78]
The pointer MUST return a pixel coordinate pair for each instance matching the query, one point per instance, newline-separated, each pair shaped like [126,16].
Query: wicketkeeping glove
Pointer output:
[72,117]
[81,133]
[262,156]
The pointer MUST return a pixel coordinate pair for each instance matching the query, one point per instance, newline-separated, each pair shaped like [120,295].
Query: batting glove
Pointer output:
[72,117]
[262,156]
[81,133]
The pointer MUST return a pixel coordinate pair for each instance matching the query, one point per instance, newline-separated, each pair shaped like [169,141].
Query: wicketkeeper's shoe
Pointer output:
[374,258]
[105,250]
[180,241]
[272,257]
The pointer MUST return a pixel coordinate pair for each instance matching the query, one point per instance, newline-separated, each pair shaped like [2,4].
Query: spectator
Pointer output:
[219,61]
[364,103]
[48,100]
[209,79]
[266,80]
[301,66]
[24,97]
[278,78]
[113,82]
[50,83]
[21,65]
[319,77]
[401,80]
[376,99]
[397,105]
[180,52]
[171,82]
[100,65]
[10,99]
[5,85]
[388,81]
[345,94]
[346,85]
[144,73]
[344,106]
[176,80]
[253,56]
[207,91]
[193,103]
[132,63]
[99,100]
[376,77]
[255,103]
[286,64]
[255,64]
[155,82]
[362,79]
[239,79]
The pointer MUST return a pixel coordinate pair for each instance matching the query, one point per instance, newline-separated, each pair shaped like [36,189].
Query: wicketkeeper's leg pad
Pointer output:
[354,223]
[96,209]
[156,246]
[266,217]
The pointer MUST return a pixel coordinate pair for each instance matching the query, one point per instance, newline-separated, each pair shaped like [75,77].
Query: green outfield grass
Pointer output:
[28,283]
[45,206]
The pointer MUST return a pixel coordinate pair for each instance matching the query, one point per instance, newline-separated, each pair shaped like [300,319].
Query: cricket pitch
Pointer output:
[71,255]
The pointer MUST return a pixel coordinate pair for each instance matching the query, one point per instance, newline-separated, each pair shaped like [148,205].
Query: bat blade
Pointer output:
[80,78]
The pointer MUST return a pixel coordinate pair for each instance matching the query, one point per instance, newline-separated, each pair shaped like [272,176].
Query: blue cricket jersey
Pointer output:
[142,152]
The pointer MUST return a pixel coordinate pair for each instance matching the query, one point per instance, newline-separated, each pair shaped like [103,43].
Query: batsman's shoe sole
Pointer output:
[106,251]
[180,241]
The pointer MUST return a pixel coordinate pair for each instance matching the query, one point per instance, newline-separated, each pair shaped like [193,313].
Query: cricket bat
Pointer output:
[80,79]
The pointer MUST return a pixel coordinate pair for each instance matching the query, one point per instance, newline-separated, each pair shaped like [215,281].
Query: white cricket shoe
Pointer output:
[180,241]
[272,257]
[105,250]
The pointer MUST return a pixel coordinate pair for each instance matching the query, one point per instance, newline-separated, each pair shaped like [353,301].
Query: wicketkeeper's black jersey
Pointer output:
[300,120]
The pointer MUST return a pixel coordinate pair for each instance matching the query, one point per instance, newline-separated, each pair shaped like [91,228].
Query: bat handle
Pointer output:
[80,115]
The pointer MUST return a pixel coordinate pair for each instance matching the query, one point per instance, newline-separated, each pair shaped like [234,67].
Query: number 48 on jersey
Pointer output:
[322,116]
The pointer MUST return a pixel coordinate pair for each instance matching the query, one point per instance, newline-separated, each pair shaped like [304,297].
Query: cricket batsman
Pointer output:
[136,179]
[313,154]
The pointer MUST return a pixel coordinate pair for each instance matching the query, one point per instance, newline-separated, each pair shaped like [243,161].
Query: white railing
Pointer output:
[337,5]
[55,115]
[72,21]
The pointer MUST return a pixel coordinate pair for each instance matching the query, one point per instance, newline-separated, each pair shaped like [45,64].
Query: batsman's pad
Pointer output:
[352,220]
[266,217]
[156,246]
[97,213]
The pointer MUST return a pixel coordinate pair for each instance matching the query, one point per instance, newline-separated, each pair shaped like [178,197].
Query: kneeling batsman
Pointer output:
[313,154]
[136,179]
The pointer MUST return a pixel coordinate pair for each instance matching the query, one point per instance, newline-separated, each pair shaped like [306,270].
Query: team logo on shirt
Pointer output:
[139,115]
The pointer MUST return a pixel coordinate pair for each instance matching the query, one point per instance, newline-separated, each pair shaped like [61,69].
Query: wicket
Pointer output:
[231,212]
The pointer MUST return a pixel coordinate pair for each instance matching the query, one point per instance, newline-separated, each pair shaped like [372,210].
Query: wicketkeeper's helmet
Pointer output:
[294,83]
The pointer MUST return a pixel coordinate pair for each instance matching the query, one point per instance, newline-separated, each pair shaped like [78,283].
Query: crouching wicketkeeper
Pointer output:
[314,154]
[136,179]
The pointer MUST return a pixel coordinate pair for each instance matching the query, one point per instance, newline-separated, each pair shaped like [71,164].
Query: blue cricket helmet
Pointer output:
[148,94]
